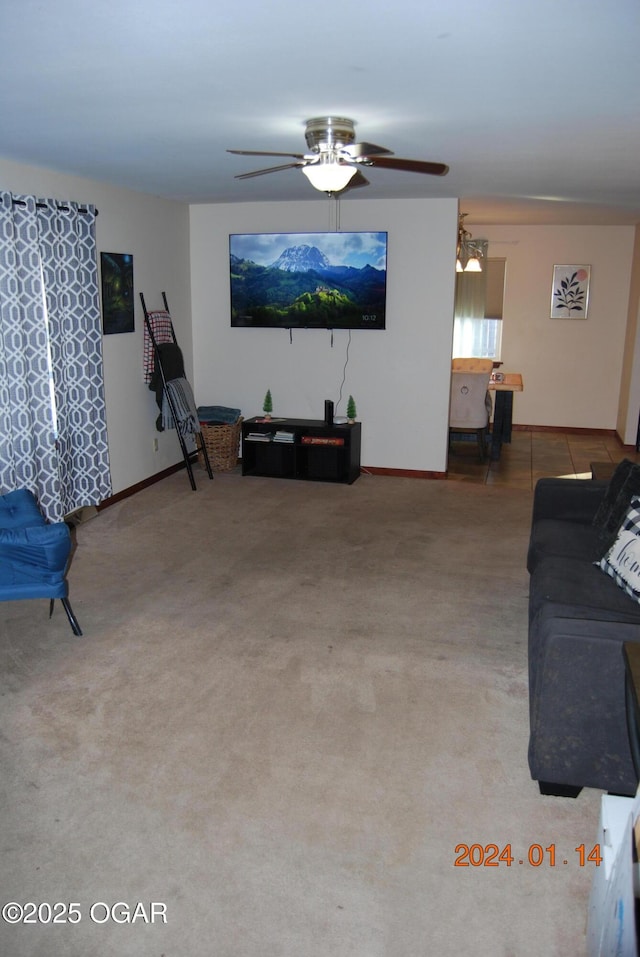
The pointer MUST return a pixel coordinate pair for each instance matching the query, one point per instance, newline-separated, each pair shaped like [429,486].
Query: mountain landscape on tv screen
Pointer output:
[302,289]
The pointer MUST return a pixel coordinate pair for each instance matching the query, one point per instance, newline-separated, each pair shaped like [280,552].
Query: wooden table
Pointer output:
[503,409]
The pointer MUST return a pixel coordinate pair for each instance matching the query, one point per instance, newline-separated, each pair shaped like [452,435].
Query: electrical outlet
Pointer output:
[155,445]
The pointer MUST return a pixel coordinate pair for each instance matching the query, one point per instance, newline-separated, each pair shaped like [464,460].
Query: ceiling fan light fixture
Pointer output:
[334,158]
[329,176]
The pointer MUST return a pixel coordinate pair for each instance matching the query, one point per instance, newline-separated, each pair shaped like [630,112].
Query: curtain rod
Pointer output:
[60,206]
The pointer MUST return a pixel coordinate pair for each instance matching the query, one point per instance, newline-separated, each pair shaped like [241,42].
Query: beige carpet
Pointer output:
[291,703]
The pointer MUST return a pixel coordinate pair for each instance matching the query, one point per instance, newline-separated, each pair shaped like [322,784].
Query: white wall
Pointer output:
[156,232]
[399,377]
[571,368]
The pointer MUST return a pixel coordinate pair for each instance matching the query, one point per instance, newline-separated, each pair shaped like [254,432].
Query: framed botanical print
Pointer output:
[570,292]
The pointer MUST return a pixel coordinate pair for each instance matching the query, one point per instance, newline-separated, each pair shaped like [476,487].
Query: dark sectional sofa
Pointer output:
[579,619]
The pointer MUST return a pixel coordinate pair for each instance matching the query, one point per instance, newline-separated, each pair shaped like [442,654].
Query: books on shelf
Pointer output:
[322,440]
[288,437]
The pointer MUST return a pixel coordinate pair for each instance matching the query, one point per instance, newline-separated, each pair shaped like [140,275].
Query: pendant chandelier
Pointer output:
[470,253]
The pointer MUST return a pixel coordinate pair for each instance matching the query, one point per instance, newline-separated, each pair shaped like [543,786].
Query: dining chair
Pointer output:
[468,412]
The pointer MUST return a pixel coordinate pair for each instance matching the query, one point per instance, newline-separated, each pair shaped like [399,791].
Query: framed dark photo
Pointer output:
[116,270]
[323,280]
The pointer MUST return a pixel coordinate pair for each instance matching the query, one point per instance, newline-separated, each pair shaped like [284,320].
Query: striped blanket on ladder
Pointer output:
[184,405]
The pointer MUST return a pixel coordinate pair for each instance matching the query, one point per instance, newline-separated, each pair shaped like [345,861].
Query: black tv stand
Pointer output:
[319,452]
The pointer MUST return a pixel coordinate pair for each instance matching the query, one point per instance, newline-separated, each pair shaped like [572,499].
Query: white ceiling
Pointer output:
[533,104]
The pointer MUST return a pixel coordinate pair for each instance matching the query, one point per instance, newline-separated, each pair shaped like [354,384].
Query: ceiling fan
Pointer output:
[333,162]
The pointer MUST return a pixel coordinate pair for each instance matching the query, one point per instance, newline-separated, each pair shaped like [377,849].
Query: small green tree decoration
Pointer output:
[351,409]
[267,406]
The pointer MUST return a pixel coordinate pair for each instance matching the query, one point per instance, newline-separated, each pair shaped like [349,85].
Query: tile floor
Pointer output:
[532,455]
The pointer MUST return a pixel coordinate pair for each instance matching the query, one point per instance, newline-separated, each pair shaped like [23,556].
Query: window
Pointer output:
[477,327]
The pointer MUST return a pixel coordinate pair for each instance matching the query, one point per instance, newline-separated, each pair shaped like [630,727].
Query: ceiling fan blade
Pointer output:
[365,149]
[270,169]
[409,166]
[354,182]
[261,153]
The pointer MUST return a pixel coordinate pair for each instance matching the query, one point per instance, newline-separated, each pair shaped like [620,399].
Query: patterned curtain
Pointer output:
[53,435]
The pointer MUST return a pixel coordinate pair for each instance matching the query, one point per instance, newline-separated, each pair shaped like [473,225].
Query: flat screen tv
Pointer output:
[308,280]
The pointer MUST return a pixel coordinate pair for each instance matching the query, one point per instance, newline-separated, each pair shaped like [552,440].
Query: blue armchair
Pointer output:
[33,554]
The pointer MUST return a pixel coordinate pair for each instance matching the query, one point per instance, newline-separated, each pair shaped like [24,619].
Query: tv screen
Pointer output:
[308,280]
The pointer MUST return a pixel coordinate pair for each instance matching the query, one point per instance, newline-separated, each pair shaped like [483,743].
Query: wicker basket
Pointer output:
[222,443]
